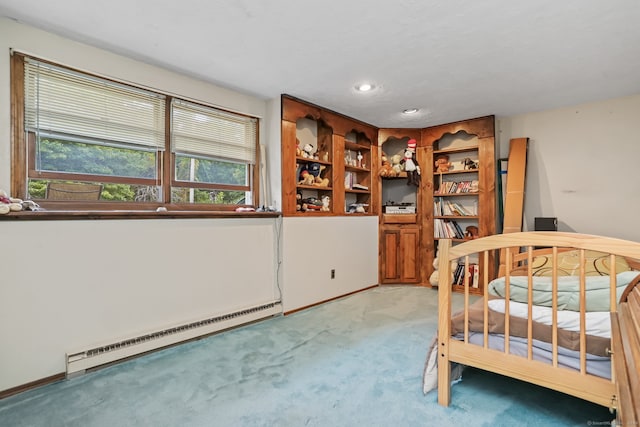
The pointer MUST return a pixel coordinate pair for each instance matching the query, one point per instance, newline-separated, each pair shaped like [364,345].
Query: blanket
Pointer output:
[597,290]
[518,327]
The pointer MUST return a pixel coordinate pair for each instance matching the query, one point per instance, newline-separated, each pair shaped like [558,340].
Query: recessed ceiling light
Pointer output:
[410,111]
[364,87]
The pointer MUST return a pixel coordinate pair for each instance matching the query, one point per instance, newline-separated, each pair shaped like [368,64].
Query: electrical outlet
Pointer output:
[333,273]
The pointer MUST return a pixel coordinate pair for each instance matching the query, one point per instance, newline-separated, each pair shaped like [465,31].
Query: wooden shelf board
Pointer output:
[455,194]
[456,150]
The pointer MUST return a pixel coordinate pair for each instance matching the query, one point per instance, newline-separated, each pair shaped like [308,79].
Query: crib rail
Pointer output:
[518,250]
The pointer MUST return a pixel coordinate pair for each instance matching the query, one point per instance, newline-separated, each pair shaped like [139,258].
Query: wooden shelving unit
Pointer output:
[474,139]
[401,258]
[349,152]
[342,150]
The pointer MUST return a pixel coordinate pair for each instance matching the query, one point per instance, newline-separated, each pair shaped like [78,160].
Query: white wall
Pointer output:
[312,247]
[66,285]
[582,166]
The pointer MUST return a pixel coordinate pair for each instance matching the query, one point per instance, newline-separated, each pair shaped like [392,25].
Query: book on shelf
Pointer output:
[475,275]
[446,229]
[348,180]
[458,187]
[449,208]
[457,273]
[456,209]
[472,274]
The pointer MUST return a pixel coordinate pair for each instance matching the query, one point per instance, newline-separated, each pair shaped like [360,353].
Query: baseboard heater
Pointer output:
[79,361]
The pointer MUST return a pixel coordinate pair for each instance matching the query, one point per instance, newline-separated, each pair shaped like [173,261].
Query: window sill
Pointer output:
[128,214]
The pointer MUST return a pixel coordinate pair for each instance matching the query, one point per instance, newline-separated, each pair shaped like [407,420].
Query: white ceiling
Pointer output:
[453,59]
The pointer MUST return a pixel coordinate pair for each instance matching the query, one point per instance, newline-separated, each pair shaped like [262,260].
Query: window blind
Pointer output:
[200,130]
[61,101]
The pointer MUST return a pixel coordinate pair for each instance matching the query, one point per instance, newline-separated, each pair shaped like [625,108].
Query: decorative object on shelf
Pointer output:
[435,276]
[442,163]
[470,164]
[326,202]
[298,201]
[314,169]
[410,163]
[306,177]
[9,204]
[357,208]
[309,174]
[307,151]
[386,170]
[471,232]
[348,160]
[298,149]
[319,180]
[311,204]
[359,157]
[396,165]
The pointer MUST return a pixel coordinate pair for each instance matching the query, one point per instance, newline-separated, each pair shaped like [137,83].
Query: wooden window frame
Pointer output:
[22,166]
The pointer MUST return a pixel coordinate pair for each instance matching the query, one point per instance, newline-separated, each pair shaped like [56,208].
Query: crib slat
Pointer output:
[613,298]
[554,308]
[485,284]
[507,297]
[613,295]
[466,299]
[583,305]
[530,302]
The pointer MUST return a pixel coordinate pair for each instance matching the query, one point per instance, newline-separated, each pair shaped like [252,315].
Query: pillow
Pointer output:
[597,290]
[596,264]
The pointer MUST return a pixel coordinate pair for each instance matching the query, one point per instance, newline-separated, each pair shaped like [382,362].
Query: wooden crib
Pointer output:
[526,312]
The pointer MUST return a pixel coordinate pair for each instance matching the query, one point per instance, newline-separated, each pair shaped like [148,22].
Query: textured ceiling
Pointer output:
[452,59]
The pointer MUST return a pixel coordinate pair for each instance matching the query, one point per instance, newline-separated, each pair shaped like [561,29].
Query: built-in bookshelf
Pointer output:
[463,195]
[327,162]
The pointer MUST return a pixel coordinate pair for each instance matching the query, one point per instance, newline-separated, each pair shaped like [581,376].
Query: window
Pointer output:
[107,145]
[213,154]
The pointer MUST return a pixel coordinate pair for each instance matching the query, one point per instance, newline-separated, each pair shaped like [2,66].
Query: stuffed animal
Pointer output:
[396,165]
[326,201]
[357,208]
[315,169]
[386,170]
[306,178]
[298,201]
[435,276]
[471,232]
[307,151]
[307,173]
[410,163]
[470,164]
[298,149]
[442,163]
[319,181]
[311,204]
[9,204]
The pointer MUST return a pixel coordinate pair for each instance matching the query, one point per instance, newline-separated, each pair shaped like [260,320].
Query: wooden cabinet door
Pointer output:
[399,263]
[409,244]
[390,272]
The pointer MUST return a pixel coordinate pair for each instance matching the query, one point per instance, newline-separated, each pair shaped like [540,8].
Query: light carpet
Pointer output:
[355,361]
